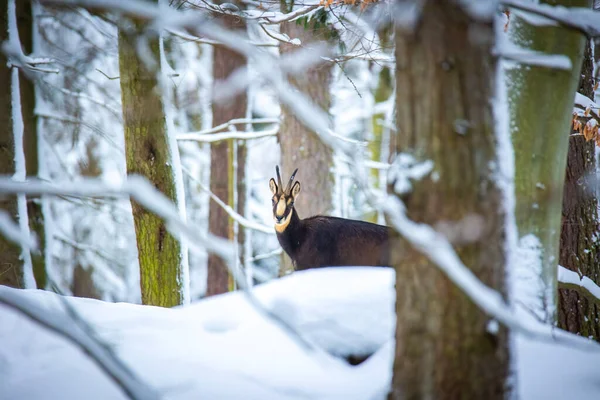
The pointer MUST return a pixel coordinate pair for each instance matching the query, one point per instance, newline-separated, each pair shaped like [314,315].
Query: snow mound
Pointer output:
[222,348]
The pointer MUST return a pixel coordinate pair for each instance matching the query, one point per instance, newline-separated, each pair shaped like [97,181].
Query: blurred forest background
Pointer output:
[78,118]
[456,123]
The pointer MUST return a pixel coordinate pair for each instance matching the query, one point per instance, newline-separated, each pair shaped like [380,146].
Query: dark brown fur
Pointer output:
[322,241]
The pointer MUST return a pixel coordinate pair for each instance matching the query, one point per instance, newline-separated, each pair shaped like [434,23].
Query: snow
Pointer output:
[221,348]
[404,169]
[18,131]
[584,19]
[572,278]
[12,231]
[510,51]
[529,287]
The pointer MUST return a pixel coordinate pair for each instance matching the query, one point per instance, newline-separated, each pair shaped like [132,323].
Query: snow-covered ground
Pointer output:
[222,348]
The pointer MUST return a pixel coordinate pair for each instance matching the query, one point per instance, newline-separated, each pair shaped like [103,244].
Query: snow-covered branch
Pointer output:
[217,137]
[583,285]
[69,329]
[585,20]
[12,231]
[190,38]
[13,49]
[140,189]
[233,122]
[536,58]
[433,245]
[280,37]
[277,17]
[243,221]
[264,256]
[136,187]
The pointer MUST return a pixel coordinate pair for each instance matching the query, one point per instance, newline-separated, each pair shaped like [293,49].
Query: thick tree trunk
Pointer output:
[579,249]
[444,82]
[542,141]
[147,152]
[225,62]
[300,147]
[11,266]
[30,141]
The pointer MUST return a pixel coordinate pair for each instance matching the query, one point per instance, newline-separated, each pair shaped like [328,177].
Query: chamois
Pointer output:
[323,241]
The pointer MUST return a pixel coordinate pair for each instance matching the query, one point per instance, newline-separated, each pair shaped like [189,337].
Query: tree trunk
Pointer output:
[579,249]
[147,152]
[30,141]
[11,266]
[541,102]
[225,62]
[300,147]
[444,82]
[383,91]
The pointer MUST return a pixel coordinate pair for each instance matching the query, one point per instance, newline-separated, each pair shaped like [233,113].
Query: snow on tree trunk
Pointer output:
[300,147]
[11,266]
[445,82]
[30,142]
[579,247]
[222,182]
[540,102]
[147,152]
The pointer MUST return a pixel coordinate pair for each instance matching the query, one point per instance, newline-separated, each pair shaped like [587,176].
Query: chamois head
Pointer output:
[283,200]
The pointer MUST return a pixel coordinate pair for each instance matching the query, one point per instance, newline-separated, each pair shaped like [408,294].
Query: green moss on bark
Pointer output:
[541,100]
[147,154]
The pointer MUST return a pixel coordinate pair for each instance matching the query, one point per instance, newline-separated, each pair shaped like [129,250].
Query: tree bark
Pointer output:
[11,266]
[300,147]
[30,141]
[225,62]
[542,143]
[444,82]
[147,152]
[579,249]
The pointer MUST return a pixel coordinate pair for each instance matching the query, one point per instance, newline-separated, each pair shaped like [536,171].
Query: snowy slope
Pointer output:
[221,348]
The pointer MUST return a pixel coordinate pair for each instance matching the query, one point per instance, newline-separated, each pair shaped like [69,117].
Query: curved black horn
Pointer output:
[289,185]
[279,178]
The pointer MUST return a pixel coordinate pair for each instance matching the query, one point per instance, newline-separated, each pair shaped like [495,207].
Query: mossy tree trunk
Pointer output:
[225,62]
[11,266]
[300,147]
[30,141]
[443,77]
[579,247]
[383,91]
[147,152]
[541,102]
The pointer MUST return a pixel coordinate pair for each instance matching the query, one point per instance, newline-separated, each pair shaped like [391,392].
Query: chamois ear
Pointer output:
[296,190]
[273,186]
